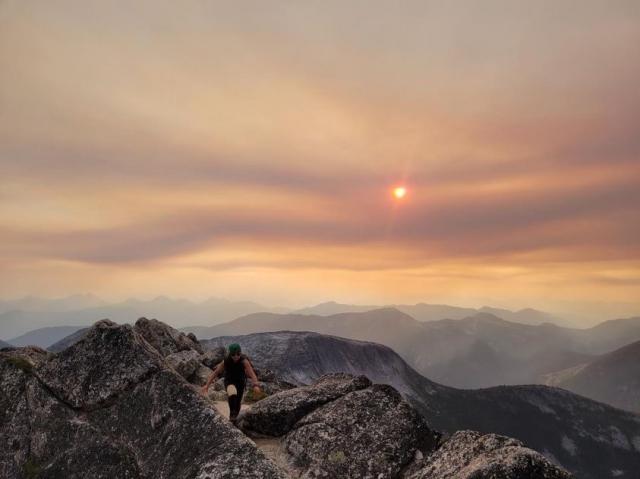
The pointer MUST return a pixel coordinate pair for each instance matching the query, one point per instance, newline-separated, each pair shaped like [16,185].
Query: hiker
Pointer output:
[235,367]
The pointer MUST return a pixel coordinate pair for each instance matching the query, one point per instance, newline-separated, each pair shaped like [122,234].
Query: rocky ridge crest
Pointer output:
[118,403]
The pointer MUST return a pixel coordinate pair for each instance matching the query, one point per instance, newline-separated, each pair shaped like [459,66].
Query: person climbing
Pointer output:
[235,367]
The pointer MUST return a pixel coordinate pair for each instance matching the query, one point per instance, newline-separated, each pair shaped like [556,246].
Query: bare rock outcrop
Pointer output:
[472,455]
[277,414]
[165,339]
[369,433]
[110,406]
[187,363]
[343,426]
[118,403]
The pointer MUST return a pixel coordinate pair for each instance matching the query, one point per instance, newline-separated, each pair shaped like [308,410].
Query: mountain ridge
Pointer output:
[581,434]
[478,351]
[613,378]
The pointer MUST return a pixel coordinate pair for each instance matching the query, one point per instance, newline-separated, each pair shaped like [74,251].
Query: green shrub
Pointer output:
[31,469]
[337,457]
[21,363]
[251,397]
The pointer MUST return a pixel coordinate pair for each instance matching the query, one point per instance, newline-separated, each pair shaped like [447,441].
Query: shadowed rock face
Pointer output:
[109,406]
[471,455]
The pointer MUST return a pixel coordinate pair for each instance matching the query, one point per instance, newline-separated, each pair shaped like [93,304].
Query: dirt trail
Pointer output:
[271,446]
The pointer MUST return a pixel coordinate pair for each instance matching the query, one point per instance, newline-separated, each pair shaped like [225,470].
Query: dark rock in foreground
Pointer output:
[372,432]
[276,415]
[471,455]
[109,406]
[342,426]
[117,404]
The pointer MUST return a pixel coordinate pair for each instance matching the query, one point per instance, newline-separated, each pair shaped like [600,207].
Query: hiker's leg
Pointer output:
[230,400]
[238,400]
[240,394]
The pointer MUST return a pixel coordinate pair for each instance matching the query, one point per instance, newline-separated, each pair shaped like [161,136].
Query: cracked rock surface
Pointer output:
[368,433]
[472,455]
[109,406]
[117,404]
[277,414]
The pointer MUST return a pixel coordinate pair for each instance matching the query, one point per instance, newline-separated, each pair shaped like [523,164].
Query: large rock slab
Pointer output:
[186,363]
[14,416]
[472,455]
[276,415]
[107,361]
[165,339]
[109,406]
[369,433]
[181,436]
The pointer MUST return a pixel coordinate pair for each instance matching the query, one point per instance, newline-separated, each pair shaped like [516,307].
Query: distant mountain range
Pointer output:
[613,378]
[67,341]
[27,314]
[43,337]
[43,305]
[591,439]
[21,316]
[434,312]
[479,351]
[4,345]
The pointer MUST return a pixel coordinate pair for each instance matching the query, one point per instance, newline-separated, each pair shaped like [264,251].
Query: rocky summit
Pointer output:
[110,406]
[471,455]
[346,427]
[124,402]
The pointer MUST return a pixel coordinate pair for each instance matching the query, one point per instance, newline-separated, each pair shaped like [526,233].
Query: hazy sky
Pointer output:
[248,150]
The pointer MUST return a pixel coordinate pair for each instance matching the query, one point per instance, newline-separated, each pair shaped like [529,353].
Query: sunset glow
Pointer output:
[256,151]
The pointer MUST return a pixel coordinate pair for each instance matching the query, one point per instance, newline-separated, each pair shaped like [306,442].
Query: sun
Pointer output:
[399,192]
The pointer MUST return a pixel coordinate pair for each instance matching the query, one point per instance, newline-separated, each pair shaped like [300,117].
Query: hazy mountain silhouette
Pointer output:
[613,378]
[589,438]
[610,335]
[40,313]
[434,312]
[526,315]
[68,303]
[479,351]
[44,337]
[4,345]
[67,341]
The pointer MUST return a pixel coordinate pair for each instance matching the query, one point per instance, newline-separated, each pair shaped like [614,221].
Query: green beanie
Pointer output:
[234,348]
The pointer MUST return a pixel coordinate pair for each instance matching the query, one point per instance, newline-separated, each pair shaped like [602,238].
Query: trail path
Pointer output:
[270,446]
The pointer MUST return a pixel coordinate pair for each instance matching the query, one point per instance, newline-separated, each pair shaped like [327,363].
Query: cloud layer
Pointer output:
[212,140]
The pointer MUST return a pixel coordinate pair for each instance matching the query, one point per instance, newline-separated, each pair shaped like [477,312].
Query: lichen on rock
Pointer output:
[472,455]
[368,433]
[110,406]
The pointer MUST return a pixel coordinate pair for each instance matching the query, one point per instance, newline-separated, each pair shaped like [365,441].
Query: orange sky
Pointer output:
[249,149]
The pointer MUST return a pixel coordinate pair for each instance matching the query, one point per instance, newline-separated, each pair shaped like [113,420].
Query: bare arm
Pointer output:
[248,370]
[217,371]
